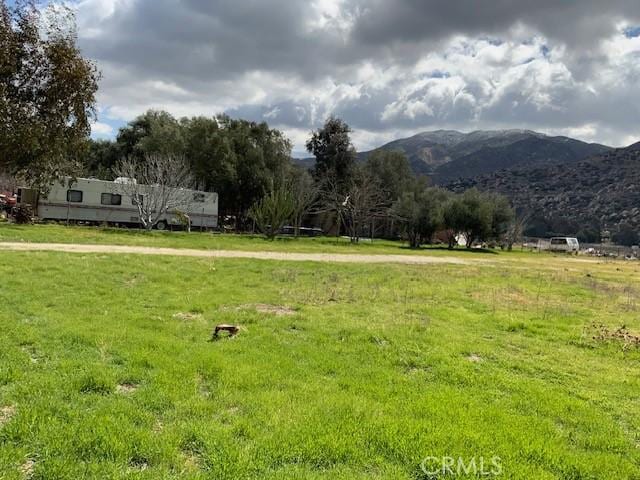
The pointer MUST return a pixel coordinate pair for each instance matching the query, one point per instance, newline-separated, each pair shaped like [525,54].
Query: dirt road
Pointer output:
[287,256]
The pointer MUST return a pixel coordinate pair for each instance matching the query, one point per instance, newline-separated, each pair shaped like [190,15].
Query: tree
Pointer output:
[155,132]
[101,158]
[359,206]
[47,92]
[155,185]
[420,210]
[454,214]
[335,155]
[8,182]
[502,215]
[259,156]
[515,232]
[273,211]
[238,159]
[392,171]
[304,192]
[626,235]
[478,216]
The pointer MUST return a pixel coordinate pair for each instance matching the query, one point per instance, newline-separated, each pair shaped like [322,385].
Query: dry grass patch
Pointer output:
[474,358]
[278,310]
[186,316]
[26,469]
[6,414]
[126,388]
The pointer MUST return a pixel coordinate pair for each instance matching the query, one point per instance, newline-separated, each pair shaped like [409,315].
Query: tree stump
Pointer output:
[223,327]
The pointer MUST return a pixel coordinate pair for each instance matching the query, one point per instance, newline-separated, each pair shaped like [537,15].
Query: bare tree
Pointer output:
[363,202]
[515,231]
[156,186]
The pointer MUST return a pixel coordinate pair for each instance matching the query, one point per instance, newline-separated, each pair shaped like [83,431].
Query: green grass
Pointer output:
[212,241]
[107,371]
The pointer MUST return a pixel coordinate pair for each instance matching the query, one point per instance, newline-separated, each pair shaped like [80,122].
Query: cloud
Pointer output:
[388,67]
[99,129]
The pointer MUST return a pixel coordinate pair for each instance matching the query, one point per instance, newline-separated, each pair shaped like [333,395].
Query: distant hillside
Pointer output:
[449,155]
[603,190]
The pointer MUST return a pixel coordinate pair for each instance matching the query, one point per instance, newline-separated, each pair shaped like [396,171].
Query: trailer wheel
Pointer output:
[161,225]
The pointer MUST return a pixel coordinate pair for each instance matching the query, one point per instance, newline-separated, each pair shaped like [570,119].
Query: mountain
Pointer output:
[448,155]
[602,191]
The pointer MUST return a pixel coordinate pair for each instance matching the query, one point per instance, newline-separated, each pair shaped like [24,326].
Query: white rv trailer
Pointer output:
[100,201]
[564,244]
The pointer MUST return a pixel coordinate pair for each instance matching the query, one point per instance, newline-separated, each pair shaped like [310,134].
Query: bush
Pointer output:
[23,214]
[273,212]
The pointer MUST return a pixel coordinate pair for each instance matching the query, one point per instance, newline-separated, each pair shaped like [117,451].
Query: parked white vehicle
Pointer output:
[564,244]
[100,201]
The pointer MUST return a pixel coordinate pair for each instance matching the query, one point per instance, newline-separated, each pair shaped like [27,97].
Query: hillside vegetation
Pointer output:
[603,191]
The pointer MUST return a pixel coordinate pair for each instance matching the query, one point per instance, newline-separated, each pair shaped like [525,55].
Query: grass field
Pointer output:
[340,371]
[209,241]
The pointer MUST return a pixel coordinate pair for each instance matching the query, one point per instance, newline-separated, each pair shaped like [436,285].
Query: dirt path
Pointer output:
[185,252]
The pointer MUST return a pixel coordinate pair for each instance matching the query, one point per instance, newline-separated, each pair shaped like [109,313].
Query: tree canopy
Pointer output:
[47,92]
[335,155]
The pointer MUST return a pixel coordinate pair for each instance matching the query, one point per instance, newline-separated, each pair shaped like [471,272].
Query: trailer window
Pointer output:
[110,199]
[74,196]
[198,197]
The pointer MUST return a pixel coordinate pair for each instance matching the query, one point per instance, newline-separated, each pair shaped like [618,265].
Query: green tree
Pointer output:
[101,158]
[155,132]
[421,213]
[238,159]
[335,155]
[260,157]
[47,92]
[392,171]
[626,235]
[477,215]
[502,215]
[454,215]
[273,211]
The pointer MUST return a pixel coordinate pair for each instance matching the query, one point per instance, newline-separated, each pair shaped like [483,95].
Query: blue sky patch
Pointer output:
[631,32]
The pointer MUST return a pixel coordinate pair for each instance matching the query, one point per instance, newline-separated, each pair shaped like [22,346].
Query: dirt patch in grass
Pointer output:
[510,296]
[474,358]
[138,464]
[186,316]
[278,310]
[26,469]
[31,352]
[158,427]
[126,388]
[6,414]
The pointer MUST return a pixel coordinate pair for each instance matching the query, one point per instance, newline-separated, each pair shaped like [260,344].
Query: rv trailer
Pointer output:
[103,202]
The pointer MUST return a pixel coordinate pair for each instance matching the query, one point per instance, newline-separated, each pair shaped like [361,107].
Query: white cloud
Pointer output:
[293,66]
[99,129]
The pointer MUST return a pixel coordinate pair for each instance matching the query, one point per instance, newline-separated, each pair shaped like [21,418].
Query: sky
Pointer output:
[389,68]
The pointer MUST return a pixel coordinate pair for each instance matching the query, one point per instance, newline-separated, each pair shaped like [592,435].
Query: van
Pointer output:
[564,244]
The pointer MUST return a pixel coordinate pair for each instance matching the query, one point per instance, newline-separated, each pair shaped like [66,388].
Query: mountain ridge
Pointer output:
[450,155]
